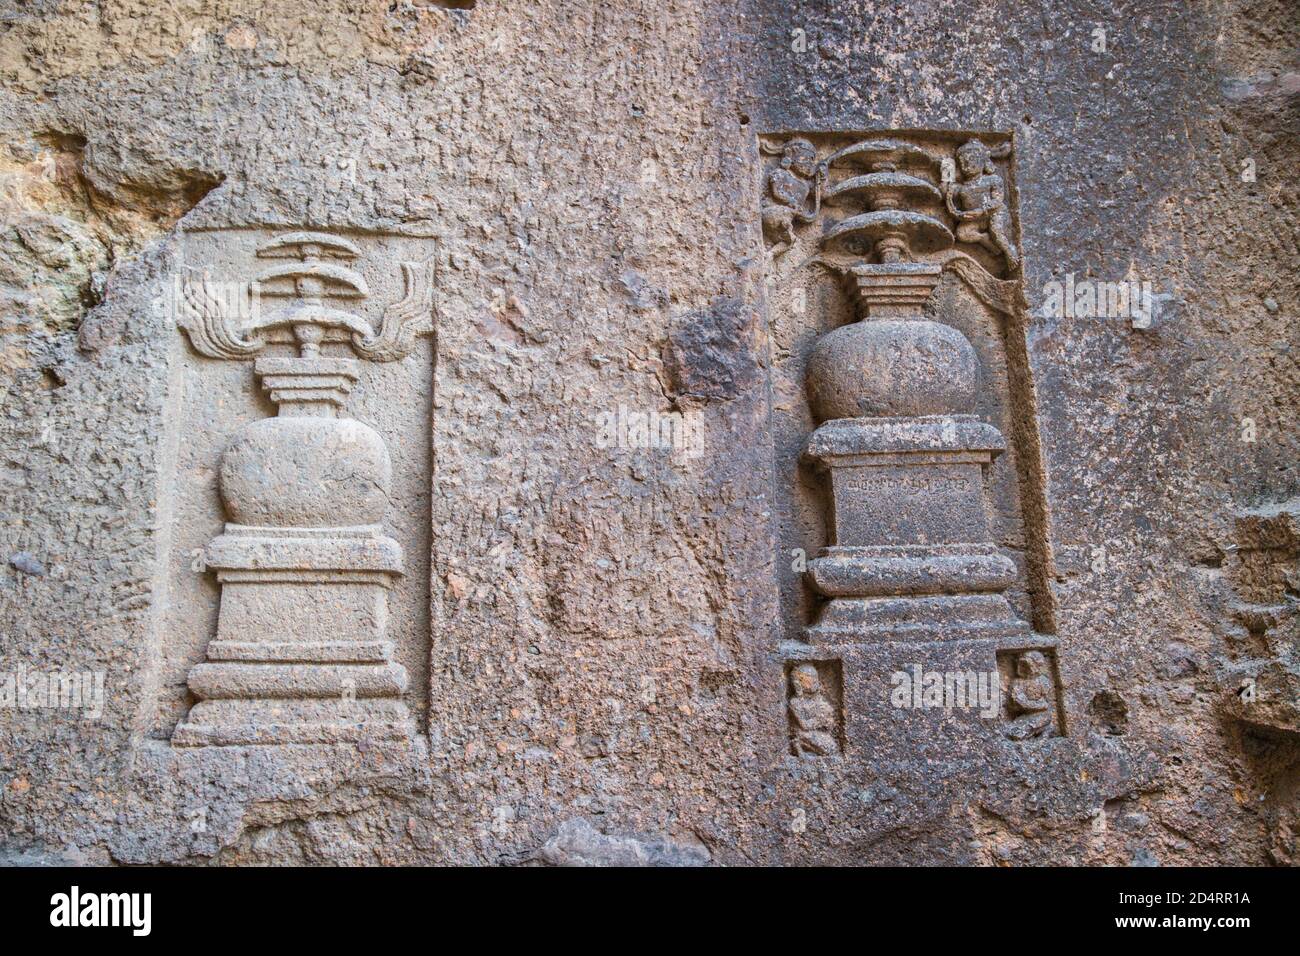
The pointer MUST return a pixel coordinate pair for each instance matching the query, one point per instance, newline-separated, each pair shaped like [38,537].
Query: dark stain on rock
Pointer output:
[710,354]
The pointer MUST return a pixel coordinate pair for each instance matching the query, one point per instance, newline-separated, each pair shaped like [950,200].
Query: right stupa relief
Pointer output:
[928,590]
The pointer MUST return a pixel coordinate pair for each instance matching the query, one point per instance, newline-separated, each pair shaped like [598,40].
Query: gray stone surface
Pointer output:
[578,843]
[599,637]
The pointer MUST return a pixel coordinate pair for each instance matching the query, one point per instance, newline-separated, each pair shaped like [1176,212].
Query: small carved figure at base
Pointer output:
[979,202]
[785,194]
[812,716]
[1031,698]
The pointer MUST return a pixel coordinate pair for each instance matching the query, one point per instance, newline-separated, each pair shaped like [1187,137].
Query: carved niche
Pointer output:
[301,652]
[814,709]
[1031,702]
[1260,672]
[901,476]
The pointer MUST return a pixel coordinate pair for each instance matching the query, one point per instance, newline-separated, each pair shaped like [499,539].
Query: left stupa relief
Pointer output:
[304,562]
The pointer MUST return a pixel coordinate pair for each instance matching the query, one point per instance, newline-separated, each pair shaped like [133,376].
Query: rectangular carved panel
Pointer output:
[906,426]
[298,511]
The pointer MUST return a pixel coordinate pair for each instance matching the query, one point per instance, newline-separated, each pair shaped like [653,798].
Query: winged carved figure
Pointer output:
[213,326]
[204,316]
[403,320]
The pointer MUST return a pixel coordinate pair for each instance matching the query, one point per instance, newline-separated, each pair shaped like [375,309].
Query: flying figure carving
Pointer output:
[979,201]
[785,194]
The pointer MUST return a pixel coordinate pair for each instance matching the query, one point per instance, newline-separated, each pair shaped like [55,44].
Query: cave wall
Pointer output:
[596,667]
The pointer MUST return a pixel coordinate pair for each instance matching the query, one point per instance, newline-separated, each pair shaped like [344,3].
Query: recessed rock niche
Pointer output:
[914,532]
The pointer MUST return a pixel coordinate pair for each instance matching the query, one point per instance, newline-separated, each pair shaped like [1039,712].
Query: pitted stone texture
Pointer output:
[519,134]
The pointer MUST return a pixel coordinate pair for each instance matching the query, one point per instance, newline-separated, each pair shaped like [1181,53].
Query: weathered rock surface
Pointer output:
[601,631]
[578,843]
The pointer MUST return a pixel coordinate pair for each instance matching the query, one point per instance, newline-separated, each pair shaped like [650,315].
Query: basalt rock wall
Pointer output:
[649,433]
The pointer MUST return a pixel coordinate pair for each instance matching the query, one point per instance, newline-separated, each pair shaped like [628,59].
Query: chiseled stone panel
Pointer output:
[347,451]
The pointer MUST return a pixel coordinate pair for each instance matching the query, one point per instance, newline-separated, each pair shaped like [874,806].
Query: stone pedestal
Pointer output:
[909,556]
